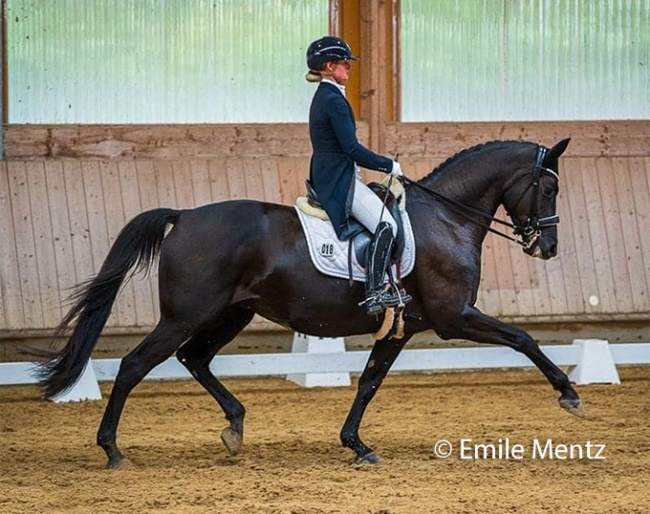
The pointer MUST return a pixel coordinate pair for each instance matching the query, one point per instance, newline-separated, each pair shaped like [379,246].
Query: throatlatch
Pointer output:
[378,296]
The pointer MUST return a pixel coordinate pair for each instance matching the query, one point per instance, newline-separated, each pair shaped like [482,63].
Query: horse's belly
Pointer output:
[316,316]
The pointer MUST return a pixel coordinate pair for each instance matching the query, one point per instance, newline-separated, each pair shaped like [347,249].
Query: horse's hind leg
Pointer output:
[159,345]
[382,356]
[196,355]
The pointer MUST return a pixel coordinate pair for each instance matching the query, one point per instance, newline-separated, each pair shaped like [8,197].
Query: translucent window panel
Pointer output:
[160,61]
[509,60]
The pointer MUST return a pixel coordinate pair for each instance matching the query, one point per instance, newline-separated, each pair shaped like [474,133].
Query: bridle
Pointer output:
[530,229]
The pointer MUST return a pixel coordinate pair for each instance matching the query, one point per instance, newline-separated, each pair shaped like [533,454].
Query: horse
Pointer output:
[220,264]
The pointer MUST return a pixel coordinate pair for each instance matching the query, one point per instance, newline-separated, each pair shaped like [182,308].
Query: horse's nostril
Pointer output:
[553,250]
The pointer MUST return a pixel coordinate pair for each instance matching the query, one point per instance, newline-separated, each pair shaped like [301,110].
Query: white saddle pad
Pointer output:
[330,256]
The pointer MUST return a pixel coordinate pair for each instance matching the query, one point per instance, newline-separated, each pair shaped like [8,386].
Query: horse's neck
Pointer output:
[476,183]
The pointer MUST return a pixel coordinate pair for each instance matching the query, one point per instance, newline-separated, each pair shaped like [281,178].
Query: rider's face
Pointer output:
[339,71]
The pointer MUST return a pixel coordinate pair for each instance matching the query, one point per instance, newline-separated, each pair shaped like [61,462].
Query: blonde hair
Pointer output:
[313,76]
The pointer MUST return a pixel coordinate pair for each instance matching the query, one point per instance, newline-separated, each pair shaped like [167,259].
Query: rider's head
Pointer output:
[328,57]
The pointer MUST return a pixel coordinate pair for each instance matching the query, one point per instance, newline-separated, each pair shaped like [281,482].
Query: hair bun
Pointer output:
[313,76]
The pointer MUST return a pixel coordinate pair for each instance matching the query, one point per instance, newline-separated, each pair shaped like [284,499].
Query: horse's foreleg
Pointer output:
[381,358]
[154,349]
[196,355]
[479,327]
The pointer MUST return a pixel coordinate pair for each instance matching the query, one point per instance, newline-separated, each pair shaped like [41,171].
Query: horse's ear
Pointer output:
[554,153]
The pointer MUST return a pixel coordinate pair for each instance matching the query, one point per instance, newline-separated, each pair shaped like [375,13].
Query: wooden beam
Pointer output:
[589,139]
[371,90]
[345,20]
[607,138]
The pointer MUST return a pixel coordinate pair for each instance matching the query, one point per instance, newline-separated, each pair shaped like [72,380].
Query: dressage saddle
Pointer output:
[361,236]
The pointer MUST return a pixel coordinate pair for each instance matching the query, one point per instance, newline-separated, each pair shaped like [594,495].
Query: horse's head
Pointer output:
[532,203]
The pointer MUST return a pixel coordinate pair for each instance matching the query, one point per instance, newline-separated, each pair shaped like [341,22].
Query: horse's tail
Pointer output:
[134,250]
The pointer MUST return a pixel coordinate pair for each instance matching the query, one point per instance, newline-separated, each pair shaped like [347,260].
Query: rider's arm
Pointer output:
[344,128]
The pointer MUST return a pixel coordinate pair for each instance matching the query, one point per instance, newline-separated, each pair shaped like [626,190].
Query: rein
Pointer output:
[529,230]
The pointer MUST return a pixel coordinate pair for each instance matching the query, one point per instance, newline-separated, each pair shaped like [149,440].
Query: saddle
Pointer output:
[395,202]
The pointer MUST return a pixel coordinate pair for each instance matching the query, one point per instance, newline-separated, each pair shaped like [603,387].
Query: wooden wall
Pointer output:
[65,192]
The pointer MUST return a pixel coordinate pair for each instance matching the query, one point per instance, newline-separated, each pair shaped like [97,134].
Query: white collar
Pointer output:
[340,87]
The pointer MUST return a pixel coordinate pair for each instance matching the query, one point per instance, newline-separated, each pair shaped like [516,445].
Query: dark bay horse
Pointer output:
[222,263]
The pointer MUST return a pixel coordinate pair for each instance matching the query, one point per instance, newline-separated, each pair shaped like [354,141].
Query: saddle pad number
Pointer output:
[327,250]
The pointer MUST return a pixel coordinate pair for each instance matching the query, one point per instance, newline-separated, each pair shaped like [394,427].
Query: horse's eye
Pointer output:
[548,192]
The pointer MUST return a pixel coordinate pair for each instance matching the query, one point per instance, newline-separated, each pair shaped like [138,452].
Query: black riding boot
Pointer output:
[377,262]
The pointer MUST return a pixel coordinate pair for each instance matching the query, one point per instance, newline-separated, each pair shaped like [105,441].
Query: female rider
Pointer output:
[334,168]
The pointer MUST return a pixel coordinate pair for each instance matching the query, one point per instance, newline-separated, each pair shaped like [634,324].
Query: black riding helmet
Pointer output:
[326,49]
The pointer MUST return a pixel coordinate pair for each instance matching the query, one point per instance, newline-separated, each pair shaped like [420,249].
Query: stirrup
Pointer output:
[373,305]
[403,296]
[384,299]
[394,296]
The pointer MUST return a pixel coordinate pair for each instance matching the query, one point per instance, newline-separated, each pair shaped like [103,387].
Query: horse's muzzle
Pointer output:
[542,249]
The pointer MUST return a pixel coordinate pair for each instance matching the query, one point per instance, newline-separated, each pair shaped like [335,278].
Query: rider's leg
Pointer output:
[377,262]
[369,210]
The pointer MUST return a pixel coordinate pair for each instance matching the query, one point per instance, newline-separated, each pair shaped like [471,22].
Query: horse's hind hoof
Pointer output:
[368,458]
[119,463]
[573,406]
[231,440]
[115,459]
[114,464]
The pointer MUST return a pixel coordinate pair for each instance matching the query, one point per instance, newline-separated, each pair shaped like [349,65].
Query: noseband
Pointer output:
[532,227]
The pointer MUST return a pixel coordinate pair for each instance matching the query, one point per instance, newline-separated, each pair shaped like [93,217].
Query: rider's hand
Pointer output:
[397,170]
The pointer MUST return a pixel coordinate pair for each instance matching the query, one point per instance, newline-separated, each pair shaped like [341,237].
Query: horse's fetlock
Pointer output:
[348,439]
[236,413]
[105,441]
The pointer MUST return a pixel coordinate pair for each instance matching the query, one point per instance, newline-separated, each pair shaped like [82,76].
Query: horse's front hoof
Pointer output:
[573,406]
[231,440]
[368,458]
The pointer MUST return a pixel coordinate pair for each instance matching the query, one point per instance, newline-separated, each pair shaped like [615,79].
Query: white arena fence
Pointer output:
[593,361]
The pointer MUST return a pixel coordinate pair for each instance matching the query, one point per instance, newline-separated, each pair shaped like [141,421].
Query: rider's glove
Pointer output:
[397,170]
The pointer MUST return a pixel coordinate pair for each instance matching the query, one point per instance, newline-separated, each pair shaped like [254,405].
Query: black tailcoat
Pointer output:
[333,135]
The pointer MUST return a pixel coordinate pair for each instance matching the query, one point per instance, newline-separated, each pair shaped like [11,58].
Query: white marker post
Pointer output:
[311,344]
[86,388]
[596,364]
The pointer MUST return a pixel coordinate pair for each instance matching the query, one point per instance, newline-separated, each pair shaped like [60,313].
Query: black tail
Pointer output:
[134,250]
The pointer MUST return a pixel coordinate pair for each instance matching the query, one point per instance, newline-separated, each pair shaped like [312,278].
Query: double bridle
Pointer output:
[530,229]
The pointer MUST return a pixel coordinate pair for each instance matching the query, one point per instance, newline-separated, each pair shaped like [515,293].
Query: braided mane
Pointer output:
[468,152]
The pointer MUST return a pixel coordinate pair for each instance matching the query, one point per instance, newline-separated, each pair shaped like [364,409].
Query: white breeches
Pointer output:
[368,209]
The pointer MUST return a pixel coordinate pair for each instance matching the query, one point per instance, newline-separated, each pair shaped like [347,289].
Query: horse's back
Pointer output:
[235,218]
[238,229]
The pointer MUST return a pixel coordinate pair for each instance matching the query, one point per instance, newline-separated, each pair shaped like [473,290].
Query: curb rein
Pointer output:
[530,229]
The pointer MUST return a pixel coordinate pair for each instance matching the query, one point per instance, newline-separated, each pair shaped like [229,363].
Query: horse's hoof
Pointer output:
[231,440]
[368,458]
[115,463]
[573,406]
